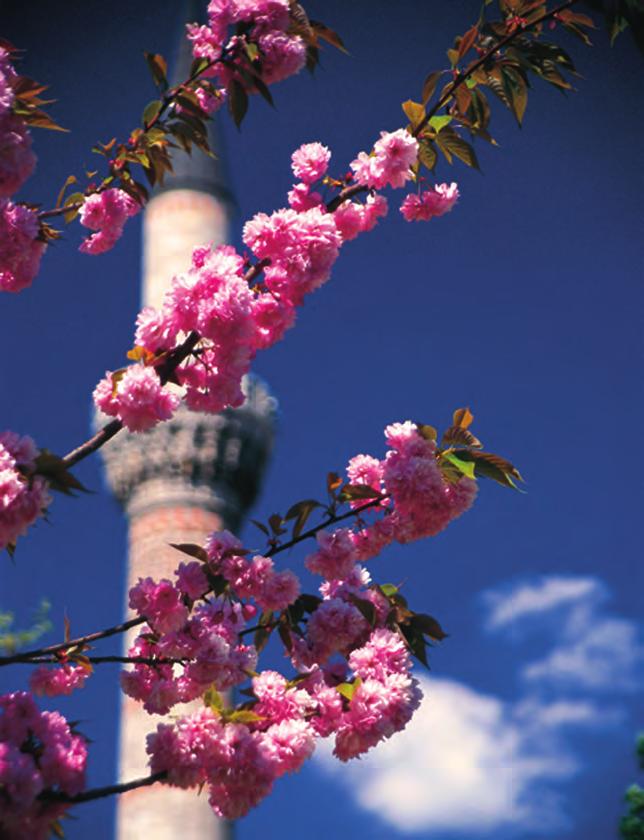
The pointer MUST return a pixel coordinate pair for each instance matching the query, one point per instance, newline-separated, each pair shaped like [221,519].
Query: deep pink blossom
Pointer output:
[58,680]
[138,399]
[23,496]
[430,203]
[335,556]
[106,213]
[17,160]
[310,162]
[20,248]
[389,165]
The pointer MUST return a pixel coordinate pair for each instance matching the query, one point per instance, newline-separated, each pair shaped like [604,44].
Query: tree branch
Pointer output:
[99,793]
[463,75]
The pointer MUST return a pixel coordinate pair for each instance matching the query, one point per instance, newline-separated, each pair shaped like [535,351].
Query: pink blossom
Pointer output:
[156,331]
[335,556]
[55,681]
[279,591]
[20,248]
[138,400]
[186,750]
[286,745]
[192,580]
[430,203]
[8,78]
[38,752]
[335,625]
[389,165]
[17,161]
[106,213]
[160,603]
[300,198]
[23,496]
[310,162]
[377,710]
[282,55]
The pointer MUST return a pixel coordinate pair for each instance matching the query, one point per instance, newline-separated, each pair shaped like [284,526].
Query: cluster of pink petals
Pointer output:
[430,203]
[17,161]
[280,53]
[20,248]
[138,399]
[296,248]
[389,164]
[53,682]
[38,753]
[310,162]
[106,213]
[23,496]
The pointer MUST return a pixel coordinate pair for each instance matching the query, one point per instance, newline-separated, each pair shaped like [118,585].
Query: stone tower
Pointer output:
[187,477]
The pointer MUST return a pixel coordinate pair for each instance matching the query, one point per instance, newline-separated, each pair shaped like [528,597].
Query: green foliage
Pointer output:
[631,826]
[12,640]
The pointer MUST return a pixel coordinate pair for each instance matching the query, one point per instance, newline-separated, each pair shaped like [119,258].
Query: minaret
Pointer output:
[187,477]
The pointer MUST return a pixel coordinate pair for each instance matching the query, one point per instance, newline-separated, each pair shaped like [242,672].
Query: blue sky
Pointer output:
[524,303]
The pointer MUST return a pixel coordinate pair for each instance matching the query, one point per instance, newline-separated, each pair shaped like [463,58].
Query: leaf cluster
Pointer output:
[493,58]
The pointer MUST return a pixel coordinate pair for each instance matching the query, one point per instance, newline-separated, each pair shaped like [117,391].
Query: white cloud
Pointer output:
[467,762]
[589,649]
[598,653]
[471,763]
[509,605]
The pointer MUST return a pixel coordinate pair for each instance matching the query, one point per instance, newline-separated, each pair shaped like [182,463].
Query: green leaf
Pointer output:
[466,467]
[213,699]
[354,492]
[53,468]
[244,716]
[328,35]
[151,112]
[427,154]
[429,85]
[492,466]
[428,625]
[158,68]
[192,550]
[451,143]
[414,111]
[458,435]
[237,101]
[440,121]
[388,589]
[301,512]
[348,689]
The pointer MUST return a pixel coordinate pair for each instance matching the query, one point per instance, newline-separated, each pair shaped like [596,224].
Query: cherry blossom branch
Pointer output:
[99,793]
[166,102]
[73,643]
[332,520]
[462,76]
[47,654]
[25,659]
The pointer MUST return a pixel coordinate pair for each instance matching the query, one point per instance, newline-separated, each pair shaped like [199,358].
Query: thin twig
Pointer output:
[462,76]
[99,793]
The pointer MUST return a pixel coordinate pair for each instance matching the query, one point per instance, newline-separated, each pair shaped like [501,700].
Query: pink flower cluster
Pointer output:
[20,247]
[430,204]
[389,164]
[38,753]
[53,682]
[280,54]
[23,496]
[137,398]
[106,213]
[17,161]
[296,248]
